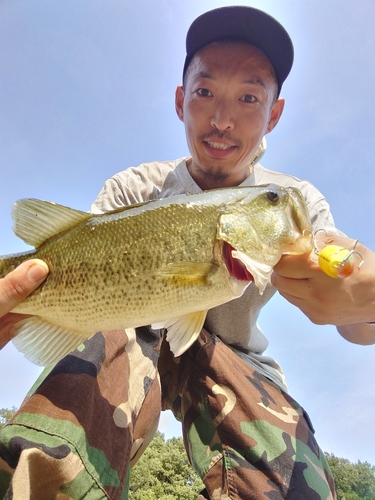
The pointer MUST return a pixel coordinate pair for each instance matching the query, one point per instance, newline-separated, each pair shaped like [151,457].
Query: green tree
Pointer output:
[5,415]
[163,473]
[353,481]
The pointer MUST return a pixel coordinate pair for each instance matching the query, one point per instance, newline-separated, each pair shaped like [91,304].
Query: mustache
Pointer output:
[220,135]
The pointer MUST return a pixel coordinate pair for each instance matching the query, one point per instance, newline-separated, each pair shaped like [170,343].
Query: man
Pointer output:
[89,417]
[14,288]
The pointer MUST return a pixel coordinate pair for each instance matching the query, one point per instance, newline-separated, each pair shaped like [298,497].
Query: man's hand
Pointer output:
[326,300]
[14,288]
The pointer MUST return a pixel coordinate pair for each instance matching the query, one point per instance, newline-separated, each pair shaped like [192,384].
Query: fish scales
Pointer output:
[151,263]
[107,267]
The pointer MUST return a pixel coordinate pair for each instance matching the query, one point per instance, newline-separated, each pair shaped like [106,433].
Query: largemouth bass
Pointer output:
[164,263]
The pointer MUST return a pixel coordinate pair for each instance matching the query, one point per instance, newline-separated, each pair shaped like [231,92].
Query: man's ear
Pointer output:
[275,115]
[179,102]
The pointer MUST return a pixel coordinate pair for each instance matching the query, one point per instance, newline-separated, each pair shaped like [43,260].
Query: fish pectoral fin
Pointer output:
[43,343]
[35,221]
[182,331]
[187,273]
[260,271]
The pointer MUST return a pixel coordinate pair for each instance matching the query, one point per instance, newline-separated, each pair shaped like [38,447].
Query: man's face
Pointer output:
[227,105]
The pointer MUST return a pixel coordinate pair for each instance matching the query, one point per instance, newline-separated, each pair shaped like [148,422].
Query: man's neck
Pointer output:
[215,179]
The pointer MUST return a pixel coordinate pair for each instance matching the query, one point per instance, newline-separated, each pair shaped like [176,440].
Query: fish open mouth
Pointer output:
[235,267]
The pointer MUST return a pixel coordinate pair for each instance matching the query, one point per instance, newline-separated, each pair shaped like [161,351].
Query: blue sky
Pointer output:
[87,89]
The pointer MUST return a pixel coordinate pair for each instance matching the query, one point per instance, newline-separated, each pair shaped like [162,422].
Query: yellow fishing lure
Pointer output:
[337,261]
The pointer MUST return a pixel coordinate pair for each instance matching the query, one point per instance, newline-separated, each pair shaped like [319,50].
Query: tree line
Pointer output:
[164,473]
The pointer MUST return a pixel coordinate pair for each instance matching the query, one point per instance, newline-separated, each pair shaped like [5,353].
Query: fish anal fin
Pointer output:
[35,221]
[43,343]
[187,273]
[183,331]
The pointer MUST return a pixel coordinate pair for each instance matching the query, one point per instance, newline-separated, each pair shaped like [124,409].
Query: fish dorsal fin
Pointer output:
[187,273]
[43,343]
[261,272]
[35,221]
[182,331]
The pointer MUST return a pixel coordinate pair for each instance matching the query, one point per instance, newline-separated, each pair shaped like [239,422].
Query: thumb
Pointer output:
[20,282]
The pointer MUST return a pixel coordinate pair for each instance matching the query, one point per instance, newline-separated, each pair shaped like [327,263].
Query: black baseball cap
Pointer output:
[246,24]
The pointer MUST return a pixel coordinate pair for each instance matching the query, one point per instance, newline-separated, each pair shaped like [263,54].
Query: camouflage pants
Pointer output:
[88,419]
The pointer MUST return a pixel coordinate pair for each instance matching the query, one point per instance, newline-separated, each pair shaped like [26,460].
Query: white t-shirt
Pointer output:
[235,322]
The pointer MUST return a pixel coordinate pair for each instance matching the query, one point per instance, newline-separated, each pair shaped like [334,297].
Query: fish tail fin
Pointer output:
[10,262]
[4,267]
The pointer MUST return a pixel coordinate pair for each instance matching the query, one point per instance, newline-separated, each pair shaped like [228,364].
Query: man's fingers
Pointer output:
[14,288]
[18,284]
[7,323]
[296,266]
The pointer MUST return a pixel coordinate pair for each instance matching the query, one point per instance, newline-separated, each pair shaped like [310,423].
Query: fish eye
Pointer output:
[273,196]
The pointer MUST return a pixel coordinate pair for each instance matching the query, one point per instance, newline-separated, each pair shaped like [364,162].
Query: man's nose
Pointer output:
[222,118]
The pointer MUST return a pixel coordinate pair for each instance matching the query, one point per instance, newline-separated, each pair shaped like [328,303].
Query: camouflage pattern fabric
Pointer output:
[84,422]
[246,438]
[87,420]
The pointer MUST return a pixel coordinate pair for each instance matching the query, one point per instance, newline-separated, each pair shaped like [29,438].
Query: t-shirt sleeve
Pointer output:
[319,209]
[125,188]
[135,185]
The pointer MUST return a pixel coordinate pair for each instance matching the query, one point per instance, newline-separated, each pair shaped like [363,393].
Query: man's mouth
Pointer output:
[219,145]
[218,149]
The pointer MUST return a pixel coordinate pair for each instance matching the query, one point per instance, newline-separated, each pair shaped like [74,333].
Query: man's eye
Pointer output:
[248,98]
[204,93]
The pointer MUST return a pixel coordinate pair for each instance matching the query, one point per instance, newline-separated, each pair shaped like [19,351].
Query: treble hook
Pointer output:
[336,261]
